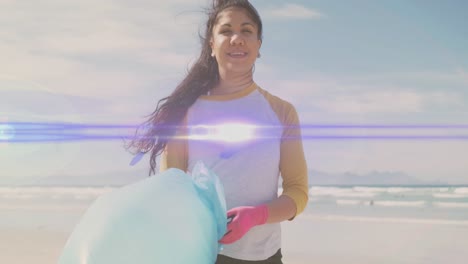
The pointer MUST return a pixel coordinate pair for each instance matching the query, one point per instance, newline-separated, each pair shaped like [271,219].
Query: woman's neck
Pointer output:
[233,84]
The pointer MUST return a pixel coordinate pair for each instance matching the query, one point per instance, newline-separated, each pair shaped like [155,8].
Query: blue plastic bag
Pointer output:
[171,217]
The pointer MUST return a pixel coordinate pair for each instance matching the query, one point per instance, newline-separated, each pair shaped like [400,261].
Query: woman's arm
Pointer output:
[281,209]
[293,169]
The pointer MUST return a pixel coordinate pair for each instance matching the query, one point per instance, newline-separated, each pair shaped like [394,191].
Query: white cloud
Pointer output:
[463,75]
[388,101]
[375,102]
[385,95]
[449,79]
[98,49]
[292,11]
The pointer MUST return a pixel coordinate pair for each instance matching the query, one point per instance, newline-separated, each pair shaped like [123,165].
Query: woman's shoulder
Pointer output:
[275,101]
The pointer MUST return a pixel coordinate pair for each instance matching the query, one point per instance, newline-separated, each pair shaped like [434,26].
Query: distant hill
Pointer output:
[118,178]
[370,178]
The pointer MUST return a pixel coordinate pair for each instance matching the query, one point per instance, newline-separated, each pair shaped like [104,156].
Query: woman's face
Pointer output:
[234,42]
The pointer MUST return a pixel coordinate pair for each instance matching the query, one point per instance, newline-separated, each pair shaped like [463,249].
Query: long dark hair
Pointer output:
[201,77]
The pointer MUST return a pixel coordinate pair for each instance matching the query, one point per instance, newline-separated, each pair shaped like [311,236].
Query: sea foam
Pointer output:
[400,203]
[396,220]
[450,205]
[27,193]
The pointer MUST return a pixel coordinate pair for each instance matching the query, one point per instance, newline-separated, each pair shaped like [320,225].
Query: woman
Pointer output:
[217,102]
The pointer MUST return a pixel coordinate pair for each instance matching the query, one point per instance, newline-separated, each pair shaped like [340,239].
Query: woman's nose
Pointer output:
[237,39]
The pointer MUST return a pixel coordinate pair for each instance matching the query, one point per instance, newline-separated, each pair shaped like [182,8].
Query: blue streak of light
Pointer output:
[27,126]
[73,126]
[395,126]
[29,132]
[389,137]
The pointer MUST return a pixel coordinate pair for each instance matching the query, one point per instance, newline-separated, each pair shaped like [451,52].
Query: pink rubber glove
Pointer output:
[243,219]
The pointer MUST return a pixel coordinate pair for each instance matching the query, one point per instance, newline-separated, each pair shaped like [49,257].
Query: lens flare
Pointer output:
[228,132]
[7,132]
[232,134]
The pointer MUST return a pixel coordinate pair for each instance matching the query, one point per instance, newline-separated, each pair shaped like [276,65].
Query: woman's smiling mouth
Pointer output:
[237,55]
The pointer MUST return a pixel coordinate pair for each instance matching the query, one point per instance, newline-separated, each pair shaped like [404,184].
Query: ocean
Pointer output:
[440,204]
[426,204]
[352,224]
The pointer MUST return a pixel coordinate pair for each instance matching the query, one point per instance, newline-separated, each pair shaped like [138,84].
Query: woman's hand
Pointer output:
[242,219]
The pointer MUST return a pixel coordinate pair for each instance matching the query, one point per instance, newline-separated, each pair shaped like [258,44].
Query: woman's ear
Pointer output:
[211,46]
[259,46]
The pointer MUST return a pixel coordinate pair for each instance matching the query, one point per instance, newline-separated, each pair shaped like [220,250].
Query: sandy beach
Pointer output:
[37,245]
[308,239]
[333,240]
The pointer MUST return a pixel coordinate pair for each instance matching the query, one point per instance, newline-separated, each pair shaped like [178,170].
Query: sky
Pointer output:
[339,62]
